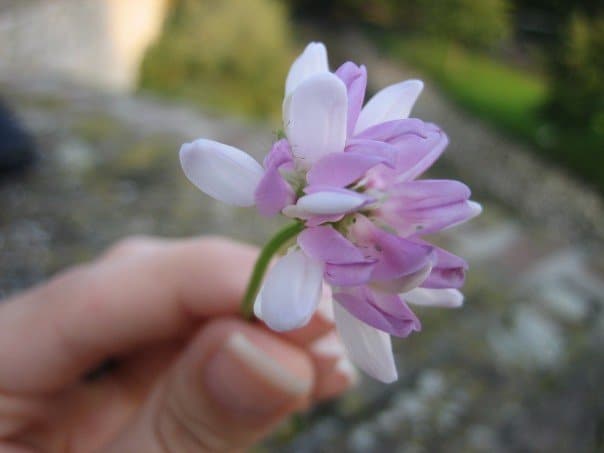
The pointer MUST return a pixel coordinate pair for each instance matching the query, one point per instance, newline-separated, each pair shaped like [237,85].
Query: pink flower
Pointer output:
[348,173]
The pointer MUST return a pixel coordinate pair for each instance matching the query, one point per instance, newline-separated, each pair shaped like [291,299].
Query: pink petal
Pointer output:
[409,222]
[393,131]
[355,79]
[417,149]
[428,193]
[345,265]
[405,282]
[426,206]
[448,272]
[273,193]
[376,148]
[349,274]
[398,258]
[325,244]
[386,312]
[342,169]
[280,156]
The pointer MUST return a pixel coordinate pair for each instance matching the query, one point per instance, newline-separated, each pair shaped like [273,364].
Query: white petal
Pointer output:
[221,171]
[325,203]
[368,348]
[312,61]
[475,207]
[391,103]
[294,211]
[258,307]
[314,118]
[291,292]
[450,298]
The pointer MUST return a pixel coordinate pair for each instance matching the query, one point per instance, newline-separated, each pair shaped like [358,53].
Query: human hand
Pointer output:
[190,374]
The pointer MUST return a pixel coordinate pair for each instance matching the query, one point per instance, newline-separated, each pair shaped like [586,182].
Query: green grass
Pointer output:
[496,92]
[505,96]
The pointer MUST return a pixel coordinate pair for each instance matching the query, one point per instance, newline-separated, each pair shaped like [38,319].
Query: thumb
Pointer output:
[231,386]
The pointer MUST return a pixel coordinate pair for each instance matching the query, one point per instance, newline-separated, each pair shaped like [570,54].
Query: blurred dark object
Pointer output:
[17,148]
[571,37]
[571,34]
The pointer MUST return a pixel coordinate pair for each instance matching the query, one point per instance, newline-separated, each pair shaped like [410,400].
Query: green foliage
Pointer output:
[230,55]
[510,99]
[494,91]
[576,99]
[577,92]
[476,23]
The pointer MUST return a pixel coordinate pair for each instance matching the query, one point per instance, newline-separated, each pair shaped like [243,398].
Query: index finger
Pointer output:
[143,291]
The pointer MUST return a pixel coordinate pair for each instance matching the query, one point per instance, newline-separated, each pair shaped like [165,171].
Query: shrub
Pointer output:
[231,55]
[476,23]
[577,89]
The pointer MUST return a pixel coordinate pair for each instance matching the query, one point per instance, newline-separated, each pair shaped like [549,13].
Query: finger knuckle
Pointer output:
[133,245]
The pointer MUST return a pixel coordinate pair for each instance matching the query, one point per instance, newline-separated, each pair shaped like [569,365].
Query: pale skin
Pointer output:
[188,375]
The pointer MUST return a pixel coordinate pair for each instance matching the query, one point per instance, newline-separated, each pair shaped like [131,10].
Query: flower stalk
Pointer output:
[273,246]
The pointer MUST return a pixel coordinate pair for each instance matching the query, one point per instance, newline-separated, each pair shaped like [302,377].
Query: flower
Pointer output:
[347,174]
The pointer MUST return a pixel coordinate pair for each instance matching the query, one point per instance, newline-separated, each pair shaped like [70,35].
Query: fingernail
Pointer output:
[325,307]
[347,369]
[328,346]
[330,355]
[330,352]
[245,379]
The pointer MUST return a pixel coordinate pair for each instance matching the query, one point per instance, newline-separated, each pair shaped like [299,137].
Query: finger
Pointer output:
[93,411]
[118,396]
[231,386]
[9,447]
[335,373]
[143,291]
[332,385]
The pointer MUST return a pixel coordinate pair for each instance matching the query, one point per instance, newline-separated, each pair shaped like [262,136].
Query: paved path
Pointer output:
[519,368]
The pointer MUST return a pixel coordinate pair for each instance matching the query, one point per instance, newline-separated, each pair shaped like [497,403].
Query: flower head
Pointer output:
[347,173]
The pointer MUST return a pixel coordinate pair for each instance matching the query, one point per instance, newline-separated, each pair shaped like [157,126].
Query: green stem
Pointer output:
[271,247]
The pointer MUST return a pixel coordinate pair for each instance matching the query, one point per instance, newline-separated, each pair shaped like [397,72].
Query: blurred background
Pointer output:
[96,97]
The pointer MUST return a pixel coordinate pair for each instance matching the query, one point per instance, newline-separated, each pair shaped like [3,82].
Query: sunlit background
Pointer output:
[96,97]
